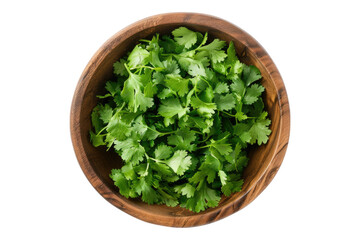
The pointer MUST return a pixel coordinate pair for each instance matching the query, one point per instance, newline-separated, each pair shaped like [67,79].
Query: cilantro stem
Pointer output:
[127,69]
[206,82]
[168,54]
[210,145]
[197,132]
[157,115]
[144,40]
[147,169]
[207,137]
[206,146]
[167,133]
[195,89]
[150,158]
[152,68]
[119,110]
[161,133]
[228,114]
[203,42]
[98,134]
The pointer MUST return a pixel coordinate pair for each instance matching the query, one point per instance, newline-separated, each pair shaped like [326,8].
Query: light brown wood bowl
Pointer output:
[96,163]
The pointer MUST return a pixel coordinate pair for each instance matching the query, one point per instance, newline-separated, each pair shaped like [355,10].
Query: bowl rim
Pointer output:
[203,217]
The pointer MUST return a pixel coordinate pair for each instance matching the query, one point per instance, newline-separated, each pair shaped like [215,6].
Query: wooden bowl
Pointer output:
[96,163]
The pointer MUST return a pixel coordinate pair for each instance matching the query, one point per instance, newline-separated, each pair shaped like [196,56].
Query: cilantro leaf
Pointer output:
[187,190]
[163,152]
[165,93]
[171,107]
[119,68]
[129,172]
[144,188]
[238,87]
[223,177]
[117,128]
[260,131]
[203,108]
[179,162]
[96,140]
[177,84]
[226,102]
[105,113]
[231,53]
[221,87]
[192,66]
[250,74]
[171,67]
[150,90]
[133,95]
[120,181]
[95,119]
[232,186]
[252,93]
[214,50]
[203,198]
[113,87]
[221,145]
[131,150]
[138,57]
[183,139]
[185,37]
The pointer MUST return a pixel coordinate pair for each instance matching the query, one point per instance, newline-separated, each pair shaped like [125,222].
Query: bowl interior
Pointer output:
[103,161]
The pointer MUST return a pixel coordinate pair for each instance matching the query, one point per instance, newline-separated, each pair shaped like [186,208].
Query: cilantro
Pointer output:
[138,57]
[226,102]
[179,162]
[171,107]
[252,93]
[185,37]
[221,87]
[181,113]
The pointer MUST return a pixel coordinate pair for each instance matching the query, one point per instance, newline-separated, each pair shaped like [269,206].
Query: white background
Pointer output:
[44,47]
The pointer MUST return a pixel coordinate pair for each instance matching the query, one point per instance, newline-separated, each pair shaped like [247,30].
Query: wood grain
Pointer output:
[96,163]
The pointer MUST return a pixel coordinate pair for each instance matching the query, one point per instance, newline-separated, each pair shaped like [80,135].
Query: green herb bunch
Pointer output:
[181,114]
